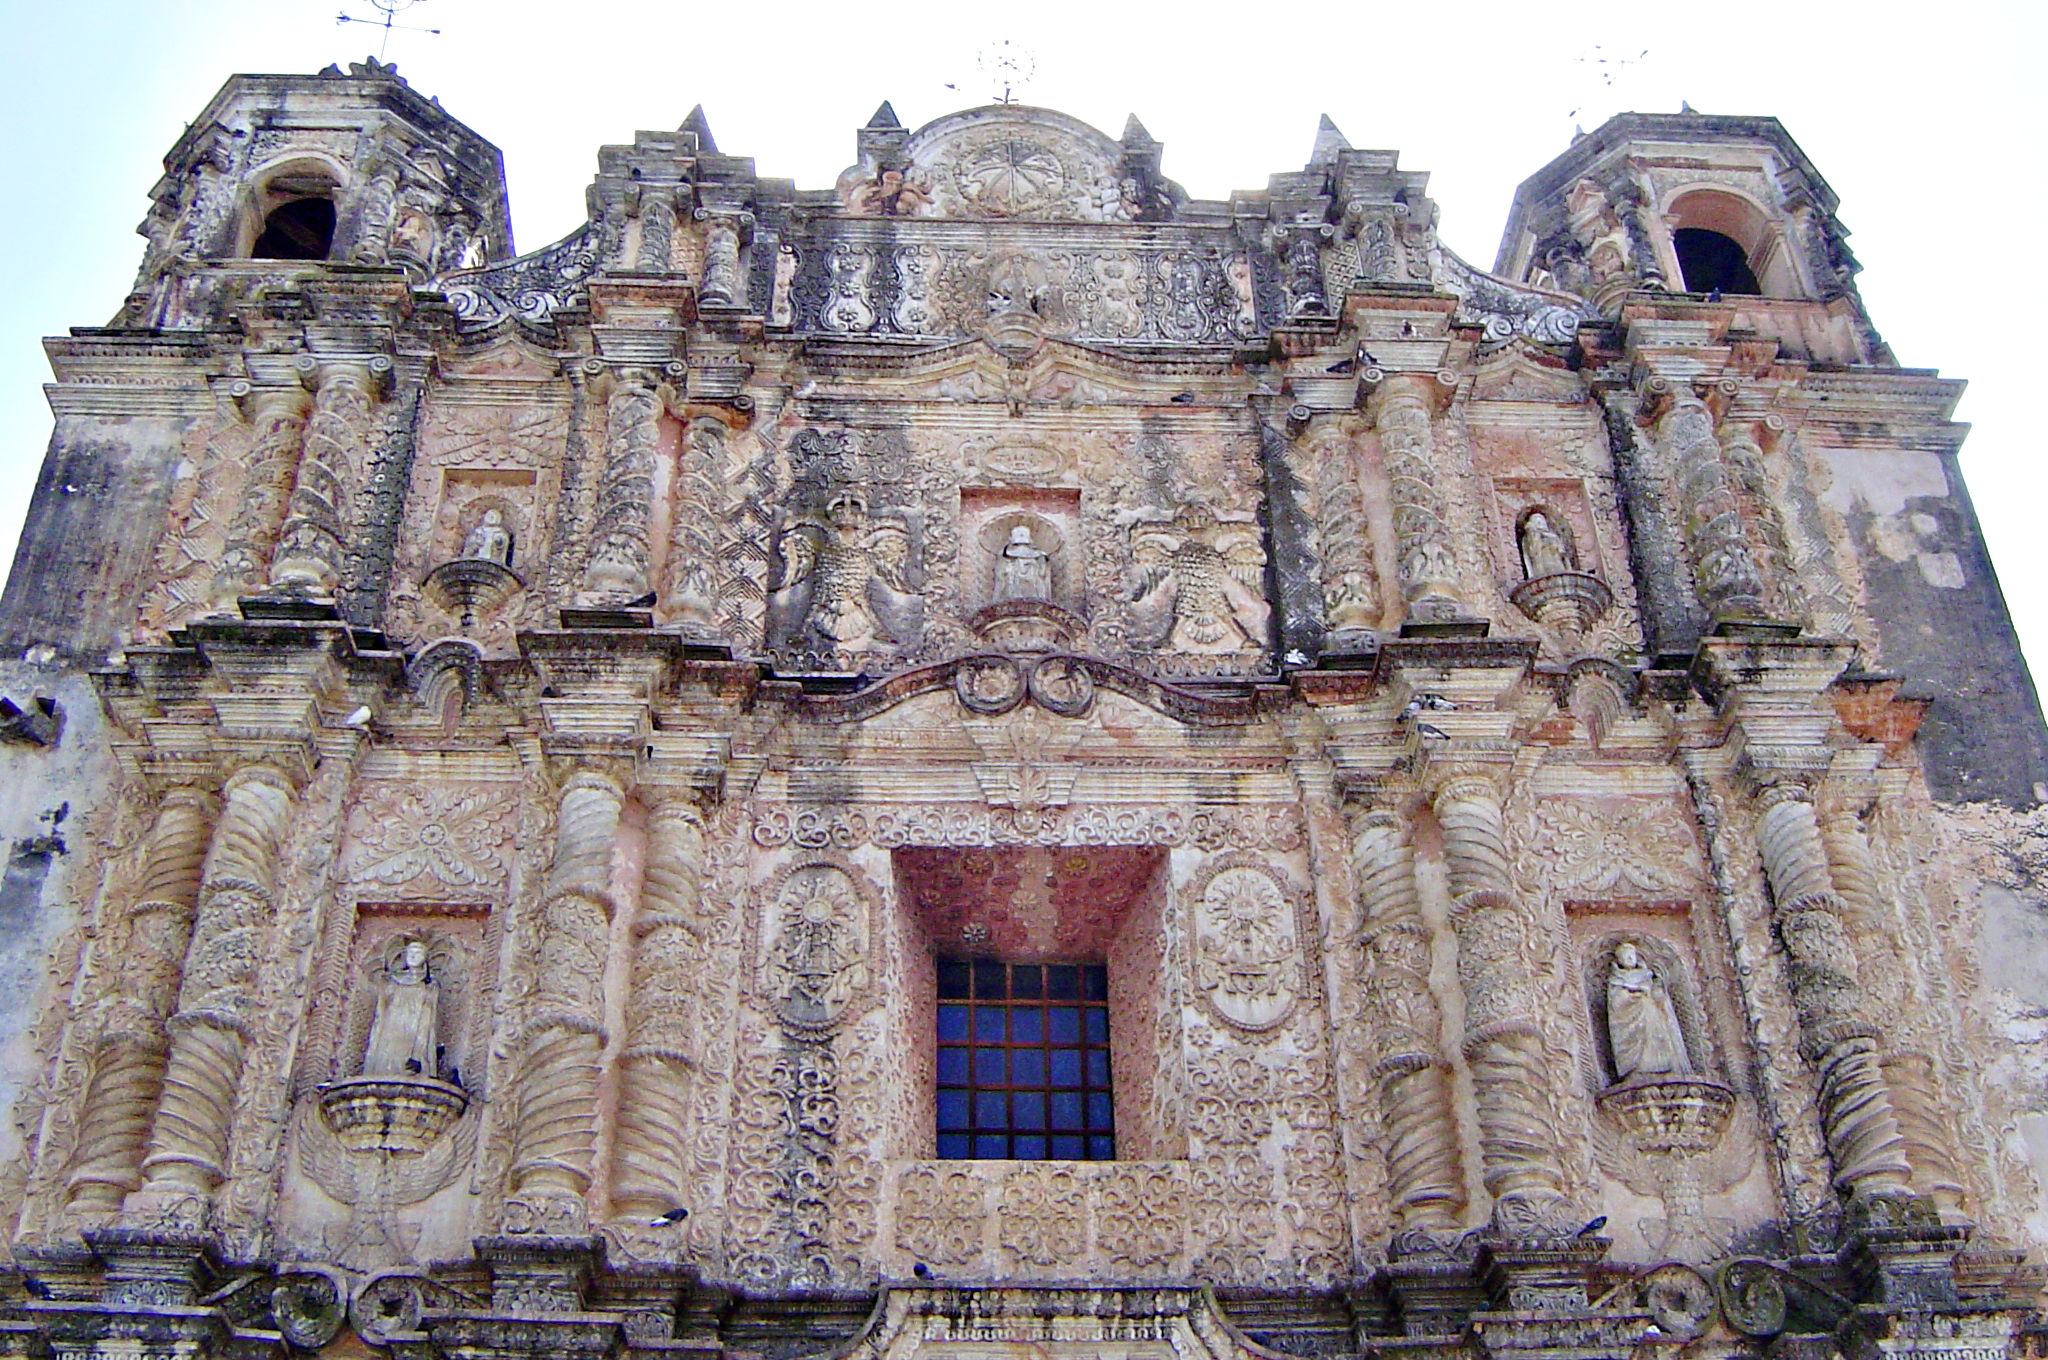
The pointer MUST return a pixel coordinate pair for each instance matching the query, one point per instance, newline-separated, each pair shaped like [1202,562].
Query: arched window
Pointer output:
[1723,243]
[302,229]
[1712,263]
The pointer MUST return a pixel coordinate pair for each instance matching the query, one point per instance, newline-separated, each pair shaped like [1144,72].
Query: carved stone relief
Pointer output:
[816,932]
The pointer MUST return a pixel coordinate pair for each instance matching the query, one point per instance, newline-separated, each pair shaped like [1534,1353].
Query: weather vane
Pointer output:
[1008,66]
[390,9]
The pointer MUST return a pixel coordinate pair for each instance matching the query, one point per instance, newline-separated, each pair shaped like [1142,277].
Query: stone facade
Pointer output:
[504,752]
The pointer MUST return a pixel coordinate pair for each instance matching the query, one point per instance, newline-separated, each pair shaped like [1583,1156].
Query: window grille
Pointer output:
[1023,1061]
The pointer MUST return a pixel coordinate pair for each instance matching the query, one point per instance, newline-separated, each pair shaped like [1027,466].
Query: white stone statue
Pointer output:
[1544,551]
[490,541]
[403,1034]
[1642,1026]
[1024,571]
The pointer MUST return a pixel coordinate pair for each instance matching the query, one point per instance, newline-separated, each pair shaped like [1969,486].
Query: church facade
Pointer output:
[996,759]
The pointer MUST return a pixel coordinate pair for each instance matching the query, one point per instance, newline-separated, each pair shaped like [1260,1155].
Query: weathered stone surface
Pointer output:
[515,764]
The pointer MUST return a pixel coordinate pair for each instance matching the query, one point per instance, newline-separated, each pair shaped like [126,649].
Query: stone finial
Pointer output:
[884,117]
[701,126]
[1329,141]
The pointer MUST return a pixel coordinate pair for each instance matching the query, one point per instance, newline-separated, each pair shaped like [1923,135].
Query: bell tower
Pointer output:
[1722,208]
[281,172]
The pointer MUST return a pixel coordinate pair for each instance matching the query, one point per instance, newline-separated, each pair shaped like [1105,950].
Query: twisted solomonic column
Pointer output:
[313,547]
[1909,1074]
[617,570]
[277,417]
[725,284]
[217,997]
[1419,1124]
[1503,1030]
[130,1042]
[657,230]
[564,1034]
[1855,1104]
[1724,564]
[661,1037]
[1429,571]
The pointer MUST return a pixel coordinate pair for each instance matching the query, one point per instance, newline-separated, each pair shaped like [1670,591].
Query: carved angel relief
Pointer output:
[844,587]
[815,935]
[1198,583]
[1247,952]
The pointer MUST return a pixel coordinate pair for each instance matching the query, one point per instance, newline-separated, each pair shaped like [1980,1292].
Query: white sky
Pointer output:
[1930,122]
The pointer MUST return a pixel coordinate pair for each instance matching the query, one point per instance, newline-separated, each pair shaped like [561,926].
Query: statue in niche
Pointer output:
[1642,1025]
[1202,576]
[490,540]
[404,1032]
[1023,570]
[1544,550]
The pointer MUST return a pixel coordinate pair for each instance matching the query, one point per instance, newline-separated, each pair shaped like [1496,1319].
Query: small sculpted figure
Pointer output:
[490,540]
[1642,1026]
[403,1033]
[1544,551]
[1203,576]
[1024,571]
[843,584]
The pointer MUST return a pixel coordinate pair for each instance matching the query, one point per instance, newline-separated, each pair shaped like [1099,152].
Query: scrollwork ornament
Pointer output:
[989,684]
[310,1305]
[1062,685]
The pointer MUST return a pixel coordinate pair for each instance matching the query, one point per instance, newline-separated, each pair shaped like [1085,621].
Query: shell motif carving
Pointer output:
[1247,943]
[814,948]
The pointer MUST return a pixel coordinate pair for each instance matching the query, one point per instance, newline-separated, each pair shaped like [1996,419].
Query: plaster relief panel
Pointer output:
[816,933]
[1248,966]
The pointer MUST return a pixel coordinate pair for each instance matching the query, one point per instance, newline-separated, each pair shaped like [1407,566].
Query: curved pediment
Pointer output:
[1012,162]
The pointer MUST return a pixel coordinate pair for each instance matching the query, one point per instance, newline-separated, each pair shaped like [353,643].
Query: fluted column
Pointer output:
[725,285]
[661,1036]
[1856,1111]
[277,418]
[1724,564]
[130,1042]
[1420,1127]
[1503,1030]
[617,570]
[1429,570]
[564,1033]
[312,550]
[216,999]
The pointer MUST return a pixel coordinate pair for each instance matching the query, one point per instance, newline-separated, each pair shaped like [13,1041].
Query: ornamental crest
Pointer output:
[1247,951]
[815,934]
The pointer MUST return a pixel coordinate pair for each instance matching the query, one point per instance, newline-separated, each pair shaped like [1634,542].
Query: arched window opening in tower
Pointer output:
[302,229]
[1713,263]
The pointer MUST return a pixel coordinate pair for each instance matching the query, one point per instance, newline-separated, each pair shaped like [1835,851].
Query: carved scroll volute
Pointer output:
[1862,1131]
[128,1041]
[312,549]
[659,1058]
[1404,410]
[1420,1139]
[1512,1084]
[216,997]
[564,1032]
[617,570]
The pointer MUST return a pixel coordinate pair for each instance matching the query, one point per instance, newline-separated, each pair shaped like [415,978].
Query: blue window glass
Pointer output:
[1019,1078]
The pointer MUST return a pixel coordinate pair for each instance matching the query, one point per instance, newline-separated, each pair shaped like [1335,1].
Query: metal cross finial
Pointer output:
[390,9]
[1008,66]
